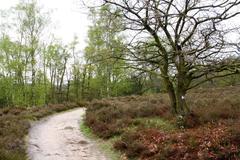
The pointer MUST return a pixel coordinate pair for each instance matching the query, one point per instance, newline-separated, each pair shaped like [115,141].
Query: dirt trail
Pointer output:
[59,138]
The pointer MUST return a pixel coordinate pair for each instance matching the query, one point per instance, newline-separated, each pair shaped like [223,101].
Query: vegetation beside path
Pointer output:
[15,123]
[142,127]
[104,145]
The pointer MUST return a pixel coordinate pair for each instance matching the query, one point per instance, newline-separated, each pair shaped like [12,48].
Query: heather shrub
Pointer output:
[14,125]
[115,114]
[131,144]
[147,130]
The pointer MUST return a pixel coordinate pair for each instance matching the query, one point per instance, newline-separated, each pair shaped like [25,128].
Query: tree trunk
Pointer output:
[182,107]
[169,86]
[68,87]
[83,83]
[33,98]
[180,90]
[76,86]
[45,78]
[60,89]
[171,94]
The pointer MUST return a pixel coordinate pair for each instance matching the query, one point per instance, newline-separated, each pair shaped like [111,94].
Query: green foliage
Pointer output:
[157,123]
[5,92]
[86,130]
[34,72]
[105,43]
[19,74]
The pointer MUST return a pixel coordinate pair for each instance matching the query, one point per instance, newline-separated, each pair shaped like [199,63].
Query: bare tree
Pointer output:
[184,39]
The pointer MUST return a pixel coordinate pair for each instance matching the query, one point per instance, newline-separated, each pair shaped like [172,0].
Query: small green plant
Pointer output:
[86,130]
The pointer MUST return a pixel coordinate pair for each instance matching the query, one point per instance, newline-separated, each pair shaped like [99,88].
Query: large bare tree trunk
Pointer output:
[182,107]
[171,94]
[181,88]
[170,88]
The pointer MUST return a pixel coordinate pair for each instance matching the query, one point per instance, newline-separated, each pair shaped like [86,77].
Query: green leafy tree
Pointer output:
[31,22]
[104,43]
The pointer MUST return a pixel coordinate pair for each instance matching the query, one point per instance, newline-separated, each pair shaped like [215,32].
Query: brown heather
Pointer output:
[145,129]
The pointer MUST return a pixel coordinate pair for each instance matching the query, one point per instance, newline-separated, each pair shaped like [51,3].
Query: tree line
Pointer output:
[132,48]
[37,71]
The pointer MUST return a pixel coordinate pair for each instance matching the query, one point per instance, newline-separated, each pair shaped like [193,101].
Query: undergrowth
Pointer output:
[14,126]
[146,129]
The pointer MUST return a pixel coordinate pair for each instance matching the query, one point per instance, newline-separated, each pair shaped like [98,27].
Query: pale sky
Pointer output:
[68,17]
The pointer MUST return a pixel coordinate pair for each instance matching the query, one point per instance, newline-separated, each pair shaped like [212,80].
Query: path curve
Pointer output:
[58,137]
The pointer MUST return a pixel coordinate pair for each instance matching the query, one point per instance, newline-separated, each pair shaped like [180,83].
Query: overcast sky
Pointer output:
[68,17]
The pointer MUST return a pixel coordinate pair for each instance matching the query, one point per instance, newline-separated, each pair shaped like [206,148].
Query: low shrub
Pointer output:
[206,142]
[82,103]
[147,130]
[130,144]
[110,116]
[214,104]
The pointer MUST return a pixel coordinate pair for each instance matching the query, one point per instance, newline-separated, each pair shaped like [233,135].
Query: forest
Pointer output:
[160,79]
[38,69]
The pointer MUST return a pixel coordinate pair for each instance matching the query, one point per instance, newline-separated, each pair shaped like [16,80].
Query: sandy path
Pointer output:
[59,138]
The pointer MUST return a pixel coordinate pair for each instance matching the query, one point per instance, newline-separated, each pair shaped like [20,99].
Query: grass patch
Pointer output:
[157,123]
[87,132]
[105,145]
